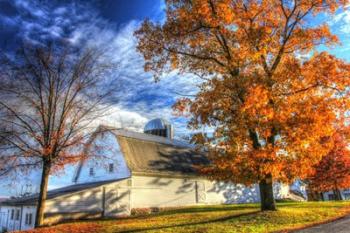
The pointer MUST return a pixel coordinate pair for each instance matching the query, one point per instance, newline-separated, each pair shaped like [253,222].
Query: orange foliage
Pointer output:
[270,97]
[72,228]
[333,171]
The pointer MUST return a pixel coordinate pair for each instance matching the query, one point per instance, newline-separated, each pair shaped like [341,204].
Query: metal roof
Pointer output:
[152,138]
[32,199]
[155,124]
[154,158]
[154,155]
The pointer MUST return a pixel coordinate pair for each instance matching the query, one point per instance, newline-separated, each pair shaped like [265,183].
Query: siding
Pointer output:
[104,151]
[28,210]
[87,200]
[109,198]
[117,200]
[161,192]
[226,193]
[12,225]
[345,193]
[148,191]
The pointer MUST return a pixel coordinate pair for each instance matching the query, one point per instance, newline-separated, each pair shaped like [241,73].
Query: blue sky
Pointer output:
[111,23]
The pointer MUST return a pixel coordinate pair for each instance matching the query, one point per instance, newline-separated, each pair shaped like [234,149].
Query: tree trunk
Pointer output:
[267,200]
[337,195]
[340,198]
[42,194]
[322,196]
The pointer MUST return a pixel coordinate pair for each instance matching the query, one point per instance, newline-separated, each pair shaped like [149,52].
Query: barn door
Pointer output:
[200,191]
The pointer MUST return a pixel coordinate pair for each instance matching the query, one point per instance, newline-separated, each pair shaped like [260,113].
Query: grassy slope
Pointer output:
[222,218]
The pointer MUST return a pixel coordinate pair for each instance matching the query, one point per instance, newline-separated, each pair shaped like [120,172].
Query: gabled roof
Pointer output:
[154,155]
[147,154]
[32,199]
[151,138]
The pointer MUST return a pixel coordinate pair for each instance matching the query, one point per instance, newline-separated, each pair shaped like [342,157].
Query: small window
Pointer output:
[28,220]
[91,172]
[17,214]
[12,214]
[111,168]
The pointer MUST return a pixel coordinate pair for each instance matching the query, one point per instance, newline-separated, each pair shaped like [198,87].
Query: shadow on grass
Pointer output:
[187,224]
[319,204]
[288,203]
[186,210]
[207,209]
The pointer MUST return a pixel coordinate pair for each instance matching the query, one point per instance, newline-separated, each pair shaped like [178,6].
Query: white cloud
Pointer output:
[119,118]
[81,25]
[136,90]
[341,21]
[137,98]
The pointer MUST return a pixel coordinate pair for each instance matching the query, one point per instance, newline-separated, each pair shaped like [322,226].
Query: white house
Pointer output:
[133,171]
[329,196]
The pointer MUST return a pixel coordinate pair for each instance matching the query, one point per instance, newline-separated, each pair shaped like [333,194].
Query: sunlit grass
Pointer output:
[221,218]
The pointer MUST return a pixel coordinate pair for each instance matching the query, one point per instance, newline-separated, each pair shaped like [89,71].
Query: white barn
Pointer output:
[330,196]
[134,171]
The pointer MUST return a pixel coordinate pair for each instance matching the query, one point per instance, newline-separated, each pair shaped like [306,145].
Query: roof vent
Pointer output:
[159,127]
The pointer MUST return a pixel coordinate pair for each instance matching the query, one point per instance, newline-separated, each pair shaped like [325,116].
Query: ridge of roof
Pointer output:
[151,138]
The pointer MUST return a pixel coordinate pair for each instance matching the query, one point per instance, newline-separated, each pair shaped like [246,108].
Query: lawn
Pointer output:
[219,218]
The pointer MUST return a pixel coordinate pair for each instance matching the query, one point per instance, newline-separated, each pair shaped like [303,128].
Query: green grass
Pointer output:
[220,218]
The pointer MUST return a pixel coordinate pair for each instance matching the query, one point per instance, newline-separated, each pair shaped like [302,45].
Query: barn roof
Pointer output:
[154,155]
[32,199]
[147,154]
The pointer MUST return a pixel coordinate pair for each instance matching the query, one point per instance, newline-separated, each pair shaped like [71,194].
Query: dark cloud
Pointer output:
[8,9]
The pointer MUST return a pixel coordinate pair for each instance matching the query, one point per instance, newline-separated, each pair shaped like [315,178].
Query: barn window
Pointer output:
[111,168]
[17,214]
[91,172]
[29,218]
[12,214]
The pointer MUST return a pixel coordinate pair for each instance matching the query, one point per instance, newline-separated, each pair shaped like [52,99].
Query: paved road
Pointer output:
[339,226]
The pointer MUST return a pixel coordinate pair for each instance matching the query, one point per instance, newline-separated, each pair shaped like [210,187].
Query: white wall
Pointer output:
[161,192]
[4,217]
[118,198]
[226,193]
[116,202]
[105,151]
[87,200]
[300,187]
[345,193]
[13,224]
[16,224]
[171,192]
[28,210]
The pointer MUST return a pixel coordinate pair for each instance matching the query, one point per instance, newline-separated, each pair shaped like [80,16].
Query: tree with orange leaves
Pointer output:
[332,173]
[271,107]
[49,95]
